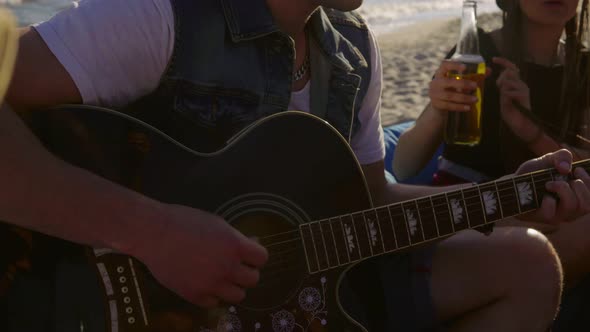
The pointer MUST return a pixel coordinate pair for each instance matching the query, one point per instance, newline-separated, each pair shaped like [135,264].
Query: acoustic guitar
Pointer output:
[289,180]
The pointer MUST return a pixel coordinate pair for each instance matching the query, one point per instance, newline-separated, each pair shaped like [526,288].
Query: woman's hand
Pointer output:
[514,91]
[449,94]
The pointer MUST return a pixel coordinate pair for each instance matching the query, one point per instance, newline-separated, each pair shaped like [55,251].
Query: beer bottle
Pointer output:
[464,128]
[8,47]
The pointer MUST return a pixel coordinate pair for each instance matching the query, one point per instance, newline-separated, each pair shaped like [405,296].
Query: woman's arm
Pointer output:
[417,145]
[427,134]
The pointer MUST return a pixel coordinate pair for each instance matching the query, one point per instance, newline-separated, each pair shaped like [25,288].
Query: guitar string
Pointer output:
[425,237]
[334,258]
[331,257]
[435,206]
[500,182]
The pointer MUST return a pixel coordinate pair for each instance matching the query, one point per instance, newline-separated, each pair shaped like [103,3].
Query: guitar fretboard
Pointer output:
[350,238]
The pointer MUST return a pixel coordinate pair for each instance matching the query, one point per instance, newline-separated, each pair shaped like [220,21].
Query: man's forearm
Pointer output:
[45,194]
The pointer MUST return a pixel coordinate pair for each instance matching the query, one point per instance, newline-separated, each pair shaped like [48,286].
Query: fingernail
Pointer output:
[549,185]
[474,99]
[565,165]
[467,108]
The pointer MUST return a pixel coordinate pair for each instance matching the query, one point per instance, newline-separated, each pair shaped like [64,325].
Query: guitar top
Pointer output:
[289,180]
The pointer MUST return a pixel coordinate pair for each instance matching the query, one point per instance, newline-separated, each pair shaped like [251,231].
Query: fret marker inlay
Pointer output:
[457,211]
[525,193]
[490,202]
[412,222]
[372,232]
[349,238]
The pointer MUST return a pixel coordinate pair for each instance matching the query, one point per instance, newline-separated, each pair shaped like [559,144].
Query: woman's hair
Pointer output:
[575,90]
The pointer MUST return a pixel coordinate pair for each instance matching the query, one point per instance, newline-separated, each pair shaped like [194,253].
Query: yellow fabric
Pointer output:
[8,48]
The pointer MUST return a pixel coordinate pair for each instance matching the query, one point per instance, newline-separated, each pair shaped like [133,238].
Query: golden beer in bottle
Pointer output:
[8,47]
[464,128]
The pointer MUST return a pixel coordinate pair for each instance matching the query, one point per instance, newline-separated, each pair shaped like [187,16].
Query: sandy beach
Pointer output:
[410,57]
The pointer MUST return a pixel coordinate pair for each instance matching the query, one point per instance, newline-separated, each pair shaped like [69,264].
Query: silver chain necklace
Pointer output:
[300,73]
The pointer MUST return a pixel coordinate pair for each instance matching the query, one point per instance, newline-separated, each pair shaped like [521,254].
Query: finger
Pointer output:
[231,293]
[581,174]
[501,79]
[583,196]
[456,97]
[447,66]
[246,276]
[450,106]
[568,201]
[456,84]
[507,64]
[514,85]
[519,96]
[548,209]
[252,253]
[560,159]
[507,76]
[489,72]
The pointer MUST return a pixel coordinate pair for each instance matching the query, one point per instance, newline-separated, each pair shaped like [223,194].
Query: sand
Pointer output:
[410,57]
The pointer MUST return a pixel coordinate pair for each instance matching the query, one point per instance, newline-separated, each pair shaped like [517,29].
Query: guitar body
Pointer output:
[283,171]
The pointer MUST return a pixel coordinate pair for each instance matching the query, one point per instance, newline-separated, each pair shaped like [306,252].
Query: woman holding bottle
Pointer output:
[532,69]
[536,99]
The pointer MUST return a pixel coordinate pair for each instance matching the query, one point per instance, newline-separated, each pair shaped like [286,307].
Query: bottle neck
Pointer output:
[468,41]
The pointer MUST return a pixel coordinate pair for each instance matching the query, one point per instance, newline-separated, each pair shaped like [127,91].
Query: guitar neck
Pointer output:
[350,238]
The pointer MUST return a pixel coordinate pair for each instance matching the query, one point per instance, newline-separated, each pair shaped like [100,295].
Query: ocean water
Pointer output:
[383,15]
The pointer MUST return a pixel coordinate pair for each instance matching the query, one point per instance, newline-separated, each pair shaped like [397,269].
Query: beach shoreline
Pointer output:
[410,56]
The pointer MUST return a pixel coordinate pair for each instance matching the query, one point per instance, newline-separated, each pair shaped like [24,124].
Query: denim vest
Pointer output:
[231,65]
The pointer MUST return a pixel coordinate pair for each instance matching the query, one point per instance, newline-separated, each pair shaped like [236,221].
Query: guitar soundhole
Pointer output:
[286,268]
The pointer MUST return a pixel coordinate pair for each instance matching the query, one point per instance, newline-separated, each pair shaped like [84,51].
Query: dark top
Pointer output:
[500,152]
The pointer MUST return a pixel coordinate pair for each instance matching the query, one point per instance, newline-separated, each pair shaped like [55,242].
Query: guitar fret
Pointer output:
[491,202]
[499,200]
[420,220]
[483,208]
[309,248]
[399,225]
[352,241]
[457,210]
[375,232]
[466,212]
[320,245]
[427,218]
[452,219]
[537,201]
[369,239]
[525,192]
[328,237]
[388,232]
[334,240]
[508,199]
[474,207]
[362,233]
[434,215]
[539,181]
[442,214]
[411,218]
[341,241]
[518,203]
